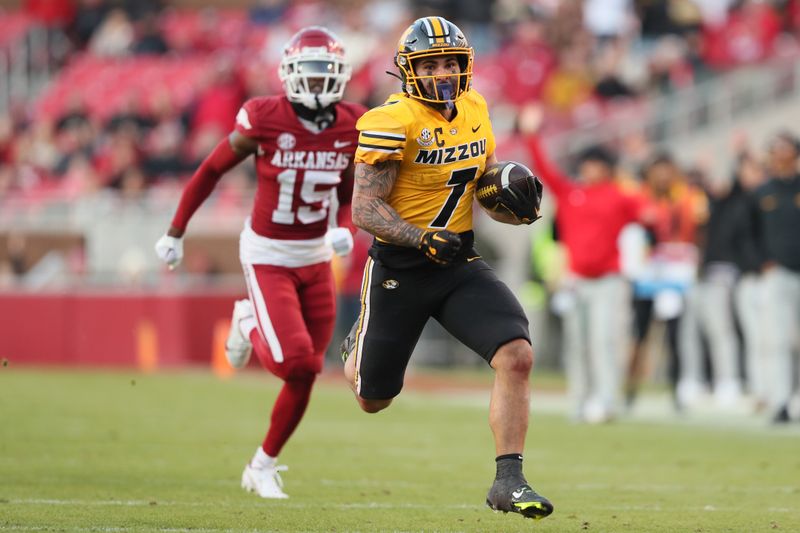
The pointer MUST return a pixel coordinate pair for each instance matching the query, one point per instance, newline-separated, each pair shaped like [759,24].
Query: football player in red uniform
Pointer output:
[303,142]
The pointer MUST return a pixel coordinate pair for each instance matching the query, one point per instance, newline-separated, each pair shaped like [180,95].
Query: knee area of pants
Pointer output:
[305,368]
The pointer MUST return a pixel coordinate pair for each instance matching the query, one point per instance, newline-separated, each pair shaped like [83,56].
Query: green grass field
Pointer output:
[130,452]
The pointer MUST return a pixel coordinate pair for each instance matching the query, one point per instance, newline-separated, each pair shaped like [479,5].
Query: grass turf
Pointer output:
[124,451]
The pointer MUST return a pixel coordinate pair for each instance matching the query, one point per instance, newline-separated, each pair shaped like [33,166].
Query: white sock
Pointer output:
[247,325]
[262,460]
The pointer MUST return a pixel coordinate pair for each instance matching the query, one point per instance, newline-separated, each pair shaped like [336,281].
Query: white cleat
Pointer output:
[237,347]
[266,482]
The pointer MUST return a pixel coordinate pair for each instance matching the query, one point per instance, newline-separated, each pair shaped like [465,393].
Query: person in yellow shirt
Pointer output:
[419,156]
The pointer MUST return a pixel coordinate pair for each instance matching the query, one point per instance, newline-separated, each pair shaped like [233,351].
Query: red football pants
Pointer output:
[295,309]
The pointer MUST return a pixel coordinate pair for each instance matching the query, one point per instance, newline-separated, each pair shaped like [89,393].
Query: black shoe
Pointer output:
[349,342]
[781,416]
[522,499]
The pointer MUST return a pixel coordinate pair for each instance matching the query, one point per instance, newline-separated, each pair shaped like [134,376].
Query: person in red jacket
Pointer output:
[303,143]
[592,211]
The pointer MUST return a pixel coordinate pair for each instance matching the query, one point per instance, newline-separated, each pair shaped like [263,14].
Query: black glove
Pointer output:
[440,246]
[523,199]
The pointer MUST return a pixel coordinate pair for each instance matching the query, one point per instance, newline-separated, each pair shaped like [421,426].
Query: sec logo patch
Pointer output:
[390,284]
[286,141]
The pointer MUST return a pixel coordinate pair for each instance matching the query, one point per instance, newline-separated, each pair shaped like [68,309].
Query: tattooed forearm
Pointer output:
[371,212]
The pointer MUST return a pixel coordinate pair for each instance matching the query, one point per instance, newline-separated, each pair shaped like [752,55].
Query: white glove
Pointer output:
[341,240]
[170,250]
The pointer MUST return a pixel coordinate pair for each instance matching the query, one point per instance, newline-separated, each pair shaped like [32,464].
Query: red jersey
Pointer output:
[298,169]
[589,217]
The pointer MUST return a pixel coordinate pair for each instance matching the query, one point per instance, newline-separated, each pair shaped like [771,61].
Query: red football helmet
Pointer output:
[313,70]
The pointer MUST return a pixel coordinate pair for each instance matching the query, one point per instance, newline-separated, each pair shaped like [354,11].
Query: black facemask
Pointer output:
[323,117]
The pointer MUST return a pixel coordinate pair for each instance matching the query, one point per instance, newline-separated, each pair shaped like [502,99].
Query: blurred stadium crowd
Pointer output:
[138,92]
[142,90]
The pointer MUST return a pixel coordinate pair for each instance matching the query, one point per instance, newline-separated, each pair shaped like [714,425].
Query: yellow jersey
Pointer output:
[440,159]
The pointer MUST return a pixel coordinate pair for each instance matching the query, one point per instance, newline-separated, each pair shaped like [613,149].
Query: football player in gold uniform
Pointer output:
[418,158]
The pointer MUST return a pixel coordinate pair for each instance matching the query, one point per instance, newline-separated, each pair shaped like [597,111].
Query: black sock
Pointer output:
[509,466]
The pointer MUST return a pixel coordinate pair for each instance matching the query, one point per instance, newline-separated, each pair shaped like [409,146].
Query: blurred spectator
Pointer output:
[654,19]
[76,136]
[218,104]
[148,37]
[591,213]
[609,83]
[686,15]
[165,149]
[750,305]
[80,180]
[524,62]
[714,12]
[727,249]
[119,153]
[570,83]
[34,149]
[746,36]
[88,17]
[777,215]
[355,34]
[115,35]
[74,114]
[164,157]
[669,66]
[566,25]
[608,20]
[674,211]
[131,116]
[131,183]
[141,9]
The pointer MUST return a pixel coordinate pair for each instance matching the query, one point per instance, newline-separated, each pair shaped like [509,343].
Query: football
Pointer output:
[495,178]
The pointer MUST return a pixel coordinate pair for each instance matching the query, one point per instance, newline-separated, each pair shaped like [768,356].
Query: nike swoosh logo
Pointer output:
[476,128]
[471,259]
[518,493]
[341,144]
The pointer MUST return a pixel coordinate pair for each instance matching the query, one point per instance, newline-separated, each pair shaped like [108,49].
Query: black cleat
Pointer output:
[523,500]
